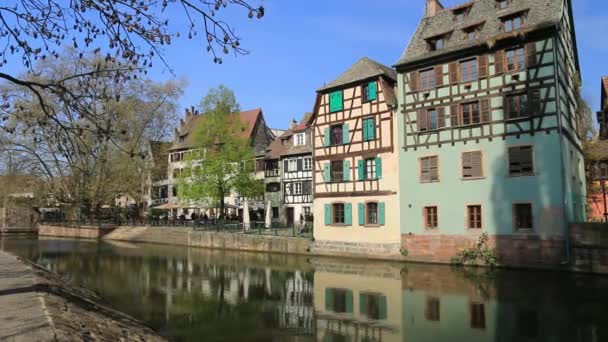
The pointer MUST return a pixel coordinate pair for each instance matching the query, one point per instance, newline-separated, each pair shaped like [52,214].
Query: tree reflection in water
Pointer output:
[196,294]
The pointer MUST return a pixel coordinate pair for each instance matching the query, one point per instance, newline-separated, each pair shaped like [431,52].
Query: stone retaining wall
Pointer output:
[589,246]
[81,232]
[387,251]
[190,237]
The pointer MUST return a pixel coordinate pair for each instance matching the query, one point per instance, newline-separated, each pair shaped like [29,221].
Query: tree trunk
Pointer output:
[222,209]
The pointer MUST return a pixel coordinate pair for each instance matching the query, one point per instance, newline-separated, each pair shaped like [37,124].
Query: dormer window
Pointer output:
[370,91]
[512,23]
[472,33]
[461,13]
[502,4]
[437,43]
[299,139]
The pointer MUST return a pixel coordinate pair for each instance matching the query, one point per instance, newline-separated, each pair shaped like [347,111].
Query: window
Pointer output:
[337,171]
[300,139]
[430,218]
[273,187]
[431,310]
[517,106]
[472,33]
[271,168]
[478,316]
[292,165]
[372,213]
[297,188]
[460,15]
[370,168]
[474,216]
[429,169]
[338,213]
[370,91]
[512,23]
[372,305]
[472,165]
[259,165]
[336,101]
[369,129]
[522,213]
[336,135]
[502,4]
[182,138]
[307,163]
[436,43]
[521,161]
[339,300]
[427,79]
[175,191]
[470,114]
[515,59]
[468,70]
[430,119]
[275,212]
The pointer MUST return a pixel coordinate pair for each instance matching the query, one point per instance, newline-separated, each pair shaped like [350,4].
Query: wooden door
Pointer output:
[289,214]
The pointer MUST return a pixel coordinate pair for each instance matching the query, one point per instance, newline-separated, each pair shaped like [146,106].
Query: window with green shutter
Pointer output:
[381,214]
[369,129]
[345,134]
[339,300]
[346,170]
[361,169]
[336,101]
[361,214]
[327,173]
[373,305]
[370,91]
[378,168]
[327,214]
[348,214]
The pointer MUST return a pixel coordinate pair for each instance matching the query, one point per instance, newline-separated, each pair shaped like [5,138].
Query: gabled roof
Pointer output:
[363,69]
[193,118]
[283,145]
[539,14]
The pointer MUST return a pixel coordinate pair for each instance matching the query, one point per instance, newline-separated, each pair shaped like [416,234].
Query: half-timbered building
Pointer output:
[490,131]
[355,164]
[289,174]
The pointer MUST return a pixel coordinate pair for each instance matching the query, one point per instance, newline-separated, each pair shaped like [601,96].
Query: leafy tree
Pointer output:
[87,168]
[225,163]
[128,35]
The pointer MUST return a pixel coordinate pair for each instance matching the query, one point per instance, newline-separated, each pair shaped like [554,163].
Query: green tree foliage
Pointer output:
[223,162]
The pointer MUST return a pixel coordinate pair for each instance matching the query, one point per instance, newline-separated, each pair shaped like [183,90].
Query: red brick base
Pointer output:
[511,250]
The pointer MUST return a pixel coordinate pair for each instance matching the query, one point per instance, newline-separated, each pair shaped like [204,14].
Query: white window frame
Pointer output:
[299,139]
[297,188]
[307,164]
[292,165]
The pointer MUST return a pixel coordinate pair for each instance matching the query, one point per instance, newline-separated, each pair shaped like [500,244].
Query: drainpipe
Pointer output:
[561,145]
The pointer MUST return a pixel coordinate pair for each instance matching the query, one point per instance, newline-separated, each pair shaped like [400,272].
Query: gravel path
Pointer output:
[36,305]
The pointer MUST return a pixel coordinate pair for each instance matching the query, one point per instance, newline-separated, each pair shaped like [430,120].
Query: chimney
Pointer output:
[433,7]
[293,124]
[188,113]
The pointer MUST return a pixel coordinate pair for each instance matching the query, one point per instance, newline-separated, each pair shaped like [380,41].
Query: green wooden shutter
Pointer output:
[365,133]
[326,138]
[381,209]
[371,129]
[382,307]
[328,300]
[362,310]
[336,102]
[361,214]
[361,169]
[327,173]
[345,134]
[379,168]
[349,301]
[346,170]
[348,214]
[327,214]
[373,91]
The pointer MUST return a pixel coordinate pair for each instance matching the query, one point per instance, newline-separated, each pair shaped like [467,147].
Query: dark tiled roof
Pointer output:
[192,120]
[540,13]
[363,69]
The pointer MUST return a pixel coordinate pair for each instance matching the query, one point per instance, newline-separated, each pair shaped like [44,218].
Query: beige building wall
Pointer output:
[356,191]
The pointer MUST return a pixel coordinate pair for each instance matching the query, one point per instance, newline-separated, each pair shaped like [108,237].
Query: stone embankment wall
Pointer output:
[80,232]
[190,237]
[38,305]
[589,247]
[18,219]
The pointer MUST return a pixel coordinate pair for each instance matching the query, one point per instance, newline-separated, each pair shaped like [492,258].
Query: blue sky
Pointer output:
[300,45]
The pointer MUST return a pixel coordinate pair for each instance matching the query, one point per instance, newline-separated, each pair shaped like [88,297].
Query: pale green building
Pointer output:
[489,131]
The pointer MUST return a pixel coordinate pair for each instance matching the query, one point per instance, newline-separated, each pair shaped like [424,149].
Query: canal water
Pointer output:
[189,294]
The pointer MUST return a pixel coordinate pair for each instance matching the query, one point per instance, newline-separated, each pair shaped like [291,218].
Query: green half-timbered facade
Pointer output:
[489,130]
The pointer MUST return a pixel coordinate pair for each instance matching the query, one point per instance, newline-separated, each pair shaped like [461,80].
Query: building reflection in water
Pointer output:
[190,293]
